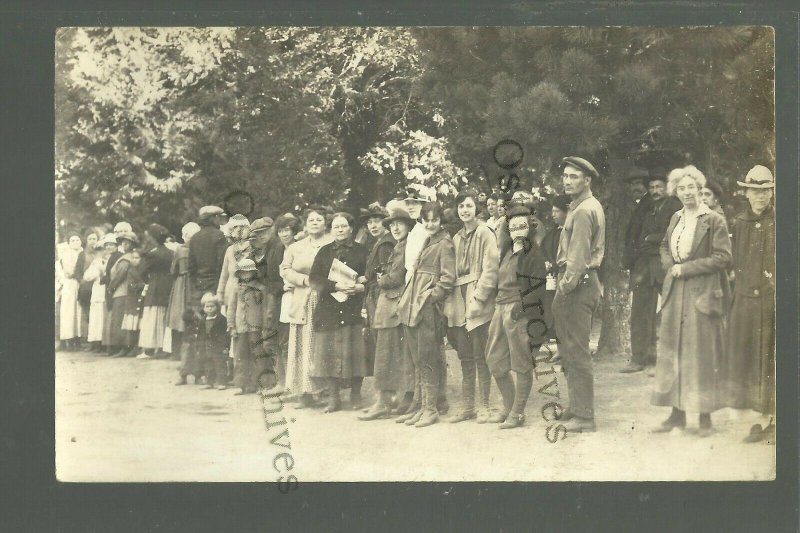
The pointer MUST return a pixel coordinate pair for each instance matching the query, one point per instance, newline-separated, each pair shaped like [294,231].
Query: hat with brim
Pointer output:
[397,212]
[374,211]
[637,174]
[246,265]
[518,210]
[562,202]
[582,164]
[128,236]
[759,177]
[109,238]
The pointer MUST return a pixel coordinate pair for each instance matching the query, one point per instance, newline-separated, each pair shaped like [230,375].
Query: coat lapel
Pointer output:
[700,232]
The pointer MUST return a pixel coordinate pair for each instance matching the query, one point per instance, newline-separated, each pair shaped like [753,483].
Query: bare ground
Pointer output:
[124,420]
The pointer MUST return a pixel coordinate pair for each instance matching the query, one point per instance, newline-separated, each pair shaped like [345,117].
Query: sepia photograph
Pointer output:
[292,254]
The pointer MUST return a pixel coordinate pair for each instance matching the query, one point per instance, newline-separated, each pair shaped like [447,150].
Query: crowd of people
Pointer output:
[305,306]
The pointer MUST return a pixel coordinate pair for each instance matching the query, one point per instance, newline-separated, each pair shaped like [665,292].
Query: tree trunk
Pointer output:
[615,310]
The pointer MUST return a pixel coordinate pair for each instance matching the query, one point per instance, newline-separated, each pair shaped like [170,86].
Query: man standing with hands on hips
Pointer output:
[580,253]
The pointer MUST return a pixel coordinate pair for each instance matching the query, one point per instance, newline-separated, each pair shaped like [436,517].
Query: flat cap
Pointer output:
[261,224]
[518,210]
[210,211]
[581,163]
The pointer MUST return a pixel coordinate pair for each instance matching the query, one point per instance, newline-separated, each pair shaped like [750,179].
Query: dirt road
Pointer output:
[124,420]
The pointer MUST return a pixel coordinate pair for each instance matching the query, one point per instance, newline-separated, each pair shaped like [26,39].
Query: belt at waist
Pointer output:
[467,278]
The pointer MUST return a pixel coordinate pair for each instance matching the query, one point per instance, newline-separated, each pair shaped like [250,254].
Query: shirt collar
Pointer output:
[702,210]
[587,193]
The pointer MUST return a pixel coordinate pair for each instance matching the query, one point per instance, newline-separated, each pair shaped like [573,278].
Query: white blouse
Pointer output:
[682,237]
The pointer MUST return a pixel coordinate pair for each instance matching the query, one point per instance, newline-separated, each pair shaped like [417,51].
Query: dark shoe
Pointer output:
[580,425]
[333,406]
[404,405]
[377,411]
[181,381]
[756,434]
[705,431]
[356,401]
[513,420]
[428,418]
[631,368]
[677,419]
[467,414]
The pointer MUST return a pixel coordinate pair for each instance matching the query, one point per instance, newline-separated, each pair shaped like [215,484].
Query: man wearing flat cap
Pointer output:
[647,274]
[206,253]
[580,252]
[749,370]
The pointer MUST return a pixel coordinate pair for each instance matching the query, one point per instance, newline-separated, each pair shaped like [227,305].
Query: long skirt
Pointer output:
[179,299]
[116,337]
[97,311]
[301,350]
[339,353]
[70,311]
[394,369]
[151,327]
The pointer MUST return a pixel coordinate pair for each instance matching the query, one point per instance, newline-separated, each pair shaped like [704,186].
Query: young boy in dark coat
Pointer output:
[210,341]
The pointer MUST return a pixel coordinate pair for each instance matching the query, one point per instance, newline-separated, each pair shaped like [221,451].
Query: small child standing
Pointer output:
[247,320]
[210,341]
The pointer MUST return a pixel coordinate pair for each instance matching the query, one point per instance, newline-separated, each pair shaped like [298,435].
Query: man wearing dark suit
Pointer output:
[206,253]
[647,275]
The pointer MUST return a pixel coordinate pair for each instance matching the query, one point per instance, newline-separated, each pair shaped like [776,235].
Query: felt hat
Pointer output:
[518,210]
[246,265]
[759,177]
[128,236]
[637,173]
[397,211]
[581,163]
[375,210]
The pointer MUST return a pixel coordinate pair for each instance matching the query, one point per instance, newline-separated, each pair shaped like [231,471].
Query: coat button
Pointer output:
[758,225]
[755,291]
[342,322]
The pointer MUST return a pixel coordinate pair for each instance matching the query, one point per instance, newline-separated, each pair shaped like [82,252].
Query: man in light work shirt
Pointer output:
[580,252]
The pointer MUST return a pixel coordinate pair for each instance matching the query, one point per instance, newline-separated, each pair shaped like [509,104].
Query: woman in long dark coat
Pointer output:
[394,371]
[695,254]
[154,270]
[339,357]
[181,292]
[749,370]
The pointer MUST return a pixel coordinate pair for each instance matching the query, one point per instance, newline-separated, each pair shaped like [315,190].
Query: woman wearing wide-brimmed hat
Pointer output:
[749,368]
[377,261]
[394,370]
[695,254]
[154,270]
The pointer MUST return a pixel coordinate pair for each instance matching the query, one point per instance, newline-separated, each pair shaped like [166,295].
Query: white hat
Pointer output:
[759,177]
[246,265]
[188,230]
[210,211]
[108,238]
[122,227]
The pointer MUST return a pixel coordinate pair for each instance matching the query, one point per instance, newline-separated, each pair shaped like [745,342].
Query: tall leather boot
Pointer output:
[467,393]
[430,415]
[416,401]
[334,402]
[413,419]
[442,404]
[516,416]
[355,392]
[484,389]
[405,403]
[506,385]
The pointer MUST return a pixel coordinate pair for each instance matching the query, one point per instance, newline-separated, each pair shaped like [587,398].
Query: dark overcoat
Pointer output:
[330,314]
[749,368]
[154,270]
